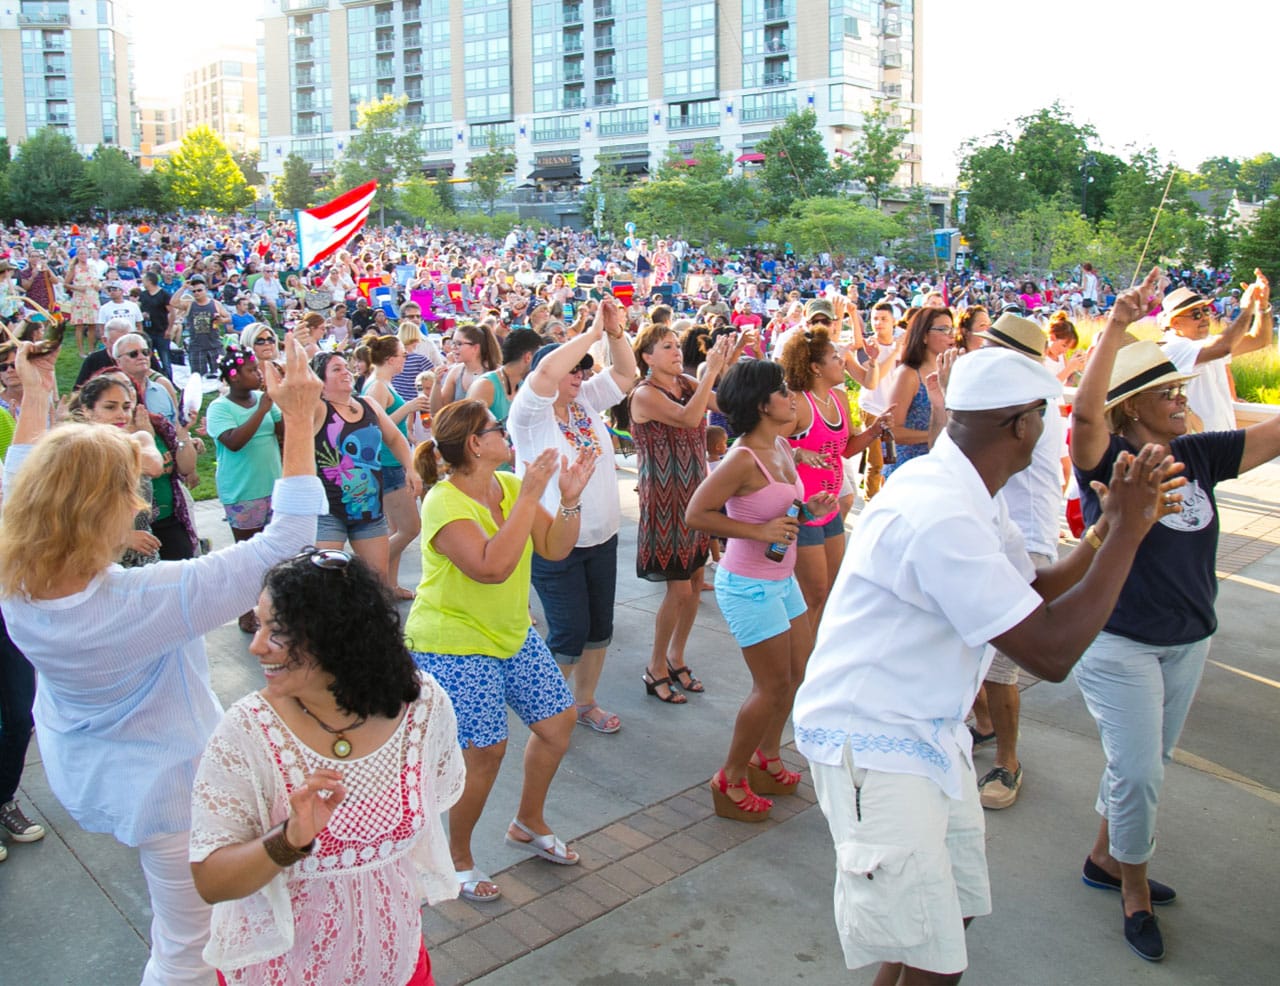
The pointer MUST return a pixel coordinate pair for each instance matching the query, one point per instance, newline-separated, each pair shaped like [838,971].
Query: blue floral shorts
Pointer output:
[481,687]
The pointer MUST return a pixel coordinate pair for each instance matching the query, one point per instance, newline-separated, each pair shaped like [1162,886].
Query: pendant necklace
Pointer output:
[341,745]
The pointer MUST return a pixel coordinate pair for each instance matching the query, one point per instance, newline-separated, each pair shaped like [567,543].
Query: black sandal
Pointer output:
[651,686]
[685,679]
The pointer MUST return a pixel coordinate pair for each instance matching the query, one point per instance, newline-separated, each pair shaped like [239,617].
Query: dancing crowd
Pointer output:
[476,398]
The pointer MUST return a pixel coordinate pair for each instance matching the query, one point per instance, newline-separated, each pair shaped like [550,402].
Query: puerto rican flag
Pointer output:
[324,230]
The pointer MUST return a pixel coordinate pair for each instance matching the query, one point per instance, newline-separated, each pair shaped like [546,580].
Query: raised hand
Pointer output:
[1142,489]
[312,804]
[718,355]
[295,389]
[1131,305]
[538,473]
[575,476]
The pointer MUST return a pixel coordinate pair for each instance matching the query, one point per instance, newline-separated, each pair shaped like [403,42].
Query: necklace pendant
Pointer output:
[342,748]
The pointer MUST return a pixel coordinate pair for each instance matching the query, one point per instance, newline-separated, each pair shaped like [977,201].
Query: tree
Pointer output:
[488,171]
[421,200]
[796,166]
[383,150]
[606,196]
[1176,228]
[835,225]
[111,181]
[877,155]
[915,231]
[1260,246]
[44,179]
[247,162]
[1259,175]
[694,196]
[201,174]
[1050,150]
[444,190]
[294,188]
[1220,172]
[153,193]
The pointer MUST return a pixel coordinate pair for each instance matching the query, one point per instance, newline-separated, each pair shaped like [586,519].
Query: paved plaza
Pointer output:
[669,895]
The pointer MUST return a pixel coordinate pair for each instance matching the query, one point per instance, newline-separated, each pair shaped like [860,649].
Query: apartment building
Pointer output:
[66,65]
[222,94]
[562,82]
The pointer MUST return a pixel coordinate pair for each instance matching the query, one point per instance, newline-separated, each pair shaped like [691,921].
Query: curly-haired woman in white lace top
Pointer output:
[316,816]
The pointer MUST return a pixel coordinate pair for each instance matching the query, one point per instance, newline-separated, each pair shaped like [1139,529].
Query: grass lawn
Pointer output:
[68,366]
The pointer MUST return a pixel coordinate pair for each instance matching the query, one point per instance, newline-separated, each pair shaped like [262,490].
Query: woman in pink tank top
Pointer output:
[821,440]
[757,485]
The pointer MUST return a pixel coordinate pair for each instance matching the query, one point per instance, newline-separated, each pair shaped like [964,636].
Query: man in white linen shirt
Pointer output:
[934,572]
[1186,317]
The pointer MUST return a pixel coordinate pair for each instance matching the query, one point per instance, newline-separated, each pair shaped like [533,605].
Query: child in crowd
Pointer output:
[717,449]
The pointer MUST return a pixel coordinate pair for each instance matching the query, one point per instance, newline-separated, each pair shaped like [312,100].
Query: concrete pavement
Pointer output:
[669,894]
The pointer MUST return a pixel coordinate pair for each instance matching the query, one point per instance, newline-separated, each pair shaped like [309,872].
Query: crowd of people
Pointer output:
[476,397]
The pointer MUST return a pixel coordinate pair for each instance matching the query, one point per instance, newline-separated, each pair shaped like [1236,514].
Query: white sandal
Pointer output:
[470,880]
[547,846]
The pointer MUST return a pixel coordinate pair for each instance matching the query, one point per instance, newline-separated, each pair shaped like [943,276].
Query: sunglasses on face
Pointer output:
[499,427]
[1167,394]
[1199,312]
[264,341]
[1039,410]
[135,353]
[6,367]
[819,320]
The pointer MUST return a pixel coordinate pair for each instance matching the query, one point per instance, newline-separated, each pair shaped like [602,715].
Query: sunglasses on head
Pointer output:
[329,559]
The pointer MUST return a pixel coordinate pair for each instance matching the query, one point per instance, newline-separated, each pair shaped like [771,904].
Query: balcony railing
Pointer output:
[573,76]
[389,45]
[304,79]
[54,42]
[778,78]
[561,133]
[776,45]
[604,11]
[414,94]
[413,39]
[37,19]
[382,19]
[891,59]
[412,15]
[604,70]
[606,99]
[573,45]
[413,68]
[771,111]
[694,121]
[303,53]
[891,28]
[573,13]
[604,39]
[444,143]
[776,12]
[893,90]
[626,127]
[575,103]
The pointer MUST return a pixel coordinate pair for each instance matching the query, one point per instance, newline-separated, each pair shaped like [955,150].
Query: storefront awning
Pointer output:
[753,158]
[437,167]
[559,173]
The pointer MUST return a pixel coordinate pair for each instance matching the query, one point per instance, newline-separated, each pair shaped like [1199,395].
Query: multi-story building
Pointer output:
[159,131]
[66,65]
[222,94]
[562,82]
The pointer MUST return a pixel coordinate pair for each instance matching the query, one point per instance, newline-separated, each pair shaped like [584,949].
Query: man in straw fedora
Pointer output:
[937,570]
[1139,676]
[1186,317]
[1034,499]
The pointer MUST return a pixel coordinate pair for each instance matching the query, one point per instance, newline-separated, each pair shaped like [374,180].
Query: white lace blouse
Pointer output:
[349,913]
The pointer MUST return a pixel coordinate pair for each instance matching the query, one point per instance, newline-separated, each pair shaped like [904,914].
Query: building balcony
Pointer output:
[303,53]
[413,118]
[573,13]
[54,42]
[55,68]
[413,39]
[413,93]
[604,39]
[306,105]
[892,90]
[891,28]
[621,129]
[777,44]
[694,121]
[555,134]
[386,68]
[46,18]
[777,111]
[304,79]
[301,32]
[412,67]
[778,78]
[437,143]
[775,12]
[573,44]
[576,102]
[573,76]
[892,4]
[382,19]
[891,59]
[605,70]
[606,99]
[412,14]
[385,45]
[604,11]
[289,6]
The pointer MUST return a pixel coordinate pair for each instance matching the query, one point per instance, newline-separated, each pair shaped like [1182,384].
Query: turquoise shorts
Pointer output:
[757,609]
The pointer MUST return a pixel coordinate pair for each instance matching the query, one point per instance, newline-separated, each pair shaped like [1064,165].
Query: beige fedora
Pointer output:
[1140,366]
[1017,333]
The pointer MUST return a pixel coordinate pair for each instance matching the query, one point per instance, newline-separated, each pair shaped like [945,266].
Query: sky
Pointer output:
[1190,79]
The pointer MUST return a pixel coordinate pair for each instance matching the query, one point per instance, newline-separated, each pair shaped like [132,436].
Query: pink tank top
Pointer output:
[829,443]
[746,557]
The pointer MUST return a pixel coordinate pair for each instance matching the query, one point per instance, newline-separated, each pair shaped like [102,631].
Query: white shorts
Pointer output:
[911,865]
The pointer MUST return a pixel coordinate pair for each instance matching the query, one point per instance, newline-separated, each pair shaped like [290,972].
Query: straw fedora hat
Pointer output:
[1016,333]
[1140,366]
[1177,302]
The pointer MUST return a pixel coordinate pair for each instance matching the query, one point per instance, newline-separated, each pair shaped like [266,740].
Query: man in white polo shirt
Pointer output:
[1186,316]
[935,572]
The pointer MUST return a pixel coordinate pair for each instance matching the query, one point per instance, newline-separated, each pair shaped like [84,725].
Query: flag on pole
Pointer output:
[324,230]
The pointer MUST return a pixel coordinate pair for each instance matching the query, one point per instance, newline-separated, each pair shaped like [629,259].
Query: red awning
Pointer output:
[753,158]
[841,150]
[689,162]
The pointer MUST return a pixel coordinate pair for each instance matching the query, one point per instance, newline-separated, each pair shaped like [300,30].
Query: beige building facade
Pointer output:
[222,94]
[563,82]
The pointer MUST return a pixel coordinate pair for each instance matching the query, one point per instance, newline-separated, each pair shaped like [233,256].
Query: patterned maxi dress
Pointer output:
[671,463]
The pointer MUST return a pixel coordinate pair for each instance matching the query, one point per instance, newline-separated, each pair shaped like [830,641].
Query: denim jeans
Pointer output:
[577,596]
[17,692]
[1139,695]
[160,346]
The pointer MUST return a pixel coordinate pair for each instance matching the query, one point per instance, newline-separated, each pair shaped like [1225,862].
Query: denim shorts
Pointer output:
[577,597]
[392,479]
[819,533]
[333,528]
[481,687]
[757,609]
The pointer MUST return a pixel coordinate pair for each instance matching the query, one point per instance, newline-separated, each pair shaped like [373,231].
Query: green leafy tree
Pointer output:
[607,195]
[990,175]
[1259,247]
[421,200]
[877,155]
[445,191]
[383,150]
[1176,229]
[248,162]
[1259,175]
[488,172]
[839,226]
[294,187]
[111,180]
[699,201]
[153,193]
[5,157]
[796,166]
[1049,150]
[45,177]
[915,231]
[1219,172]
[201,174]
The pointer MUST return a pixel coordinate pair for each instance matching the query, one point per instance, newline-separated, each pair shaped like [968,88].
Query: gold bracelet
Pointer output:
[281,851]
[1091,537]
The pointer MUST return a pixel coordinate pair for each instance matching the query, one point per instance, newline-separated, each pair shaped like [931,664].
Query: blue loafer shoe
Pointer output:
[1095,876]
[1142,932]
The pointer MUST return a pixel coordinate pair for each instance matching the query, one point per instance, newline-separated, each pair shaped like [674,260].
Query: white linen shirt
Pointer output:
[1034,496]
[1208,393]
[124,706]
[934,570]
[533,428]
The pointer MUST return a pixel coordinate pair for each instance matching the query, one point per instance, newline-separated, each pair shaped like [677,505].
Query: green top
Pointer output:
[387,458]
[162,485]
[453,614]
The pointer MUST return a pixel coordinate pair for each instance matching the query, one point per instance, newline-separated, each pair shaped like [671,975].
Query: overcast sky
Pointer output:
[1194,80]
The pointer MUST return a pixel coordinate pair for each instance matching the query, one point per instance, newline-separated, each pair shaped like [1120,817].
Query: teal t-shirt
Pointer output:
[387,458]
[250,473]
